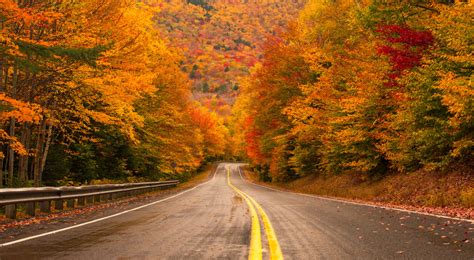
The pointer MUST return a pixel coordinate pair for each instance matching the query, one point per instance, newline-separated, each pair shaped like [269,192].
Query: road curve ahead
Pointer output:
[229,218]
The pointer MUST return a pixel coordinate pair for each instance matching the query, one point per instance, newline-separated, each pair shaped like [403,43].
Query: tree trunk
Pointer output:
[46,149]
[27,147]
[11,154]
[39,150]
[23,161]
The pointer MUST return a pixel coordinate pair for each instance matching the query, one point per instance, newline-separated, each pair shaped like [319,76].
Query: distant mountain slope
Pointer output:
[221,40]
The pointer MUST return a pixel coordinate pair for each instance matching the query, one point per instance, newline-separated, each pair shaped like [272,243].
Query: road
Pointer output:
[229,218]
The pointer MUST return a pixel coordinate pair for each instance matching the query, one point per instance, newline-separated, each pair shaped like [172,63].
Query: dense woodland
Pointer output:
[91,90]
[126,90]
[221,41]
[362,86]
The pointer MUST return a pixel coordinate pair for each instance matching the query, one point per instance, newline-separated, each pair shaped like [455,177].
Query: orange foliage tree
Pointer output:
[74,76]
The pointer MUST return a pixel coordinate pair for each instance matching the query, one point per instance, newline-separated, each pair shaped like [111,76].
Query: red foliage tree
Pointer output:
[405,47]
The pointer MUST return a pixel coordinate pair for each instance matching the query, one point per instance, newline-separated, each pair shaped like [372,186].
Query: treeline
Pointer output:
[362,86]
[90,90]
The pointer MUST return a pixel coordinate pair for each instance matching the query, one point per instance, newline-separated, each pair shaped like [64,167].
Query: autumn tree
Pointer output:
[387,88]
[74,79]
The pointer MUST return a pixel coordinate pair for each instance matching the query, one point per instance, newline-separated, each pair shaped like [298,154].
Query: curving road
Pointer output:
[229,218]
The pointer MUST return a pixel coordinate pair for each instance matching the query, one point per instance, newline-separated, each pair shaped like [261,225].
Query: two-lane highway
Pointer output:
[219,219]
[309,227]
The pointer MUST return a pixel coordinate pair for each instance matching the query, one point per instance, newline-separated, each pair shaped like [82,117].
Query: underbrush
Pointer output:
[422,188]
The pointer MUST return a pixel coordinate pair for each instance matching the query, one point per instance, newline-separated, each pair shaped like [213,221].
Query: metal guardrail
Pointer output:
[73,196]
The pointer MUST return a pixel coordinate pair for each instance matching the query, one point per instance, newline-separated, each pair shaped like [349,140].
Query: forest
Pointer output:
[221,41]
[124,90]
[366,87]
[90,90]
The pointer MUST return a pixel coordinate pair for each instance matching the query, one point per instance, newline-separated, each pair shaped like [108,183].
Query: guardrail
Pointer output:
[11,198]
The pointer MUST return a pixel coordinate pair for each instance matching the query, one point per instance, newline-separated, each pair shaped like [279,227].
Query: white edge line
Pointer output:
[104,218]
[357,203]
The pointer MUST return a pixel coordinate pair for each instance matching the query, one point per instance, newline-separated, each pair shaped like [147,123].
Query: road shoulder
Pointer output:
[11,230]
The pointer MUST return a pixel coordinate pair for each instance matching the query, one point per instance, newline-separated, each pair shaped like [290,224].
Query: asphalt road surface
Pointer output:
[229,218]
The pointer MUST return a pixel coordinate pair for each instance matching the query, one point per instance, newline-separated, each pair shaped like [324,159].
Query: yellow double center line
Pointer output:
[256,237]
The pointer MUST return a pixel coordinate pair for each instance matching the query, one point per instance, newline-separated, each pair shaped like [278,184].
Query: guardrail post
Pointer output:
[59,204]
[45,206]
[10,211]
[97,198]
[30,208]
[70,203]
[81,201]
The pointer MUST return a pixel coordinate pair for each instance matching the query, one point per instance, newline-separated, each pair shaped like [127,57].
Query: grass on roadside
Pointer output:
[199,178]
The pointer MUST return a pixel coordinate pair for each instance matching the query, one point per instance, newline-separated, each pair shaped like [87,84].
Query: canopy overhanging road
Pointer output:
[230,218]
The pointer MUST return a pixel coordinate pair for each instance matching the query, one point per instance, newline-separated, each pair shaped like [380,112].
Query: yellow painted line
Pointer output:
[255,252]
[274,246]
[275,250]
